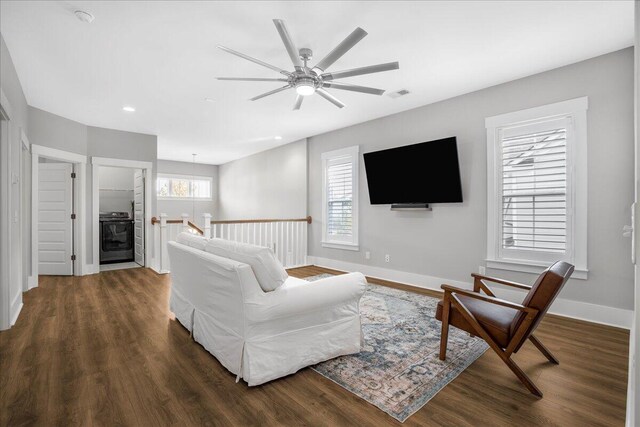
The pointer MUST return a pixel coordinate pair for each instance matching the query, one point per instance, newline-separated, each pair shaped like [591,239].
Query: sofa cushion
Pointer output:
[268,270]
[192,240]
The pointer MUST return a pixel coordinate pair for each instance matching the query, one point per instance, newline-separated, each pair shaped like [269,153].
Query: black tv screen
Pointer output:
[420,173]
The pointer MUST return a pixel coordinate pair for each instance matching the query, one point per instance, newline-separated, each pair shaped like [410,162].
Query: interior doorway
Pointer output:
[135,190]
[122,226]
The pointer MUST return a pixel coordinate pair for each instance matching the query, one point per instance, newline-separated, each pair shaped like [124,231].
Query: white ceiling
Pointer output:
[161,58]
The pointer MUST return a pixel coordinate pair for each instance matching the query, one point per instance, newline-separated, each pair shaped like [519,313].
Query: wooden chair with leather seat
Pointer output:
[504,325]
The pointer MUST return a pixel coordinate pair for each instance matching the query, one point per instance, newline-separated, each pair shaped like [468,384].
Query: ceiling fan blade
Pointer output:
[251,79]
[370,69]
[288,43]
[332,99]
[257,61]
[344,46]
[298,103]
[353,88]
[271,92]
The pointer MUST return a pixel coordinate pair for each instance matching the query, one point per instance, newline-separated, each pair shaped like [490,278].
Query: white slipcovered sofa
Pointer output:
[256,334]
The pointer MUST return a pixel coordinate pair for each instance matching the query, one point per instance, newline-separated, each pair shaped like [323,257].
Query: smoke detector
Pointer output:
[84,16]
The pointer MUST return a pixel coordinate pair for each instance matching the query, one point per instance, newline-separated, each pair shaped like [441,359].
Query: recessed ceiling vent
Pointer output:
[399,93]
[84,16]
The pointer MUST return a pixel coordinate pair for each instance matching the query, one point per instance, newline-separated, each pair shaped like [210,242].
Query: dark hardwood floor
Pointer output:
[104,350]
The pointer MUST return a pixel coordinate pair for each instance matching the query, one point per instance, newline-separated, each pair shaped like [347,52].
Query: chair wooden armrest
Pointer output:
[501,281]
[489,299]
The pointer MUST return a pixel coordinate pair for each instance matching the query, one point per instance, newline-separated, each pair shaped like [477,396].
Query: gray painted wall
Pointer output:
[53,131]
[20,233]
[450,241]
[175,208]
[270,184]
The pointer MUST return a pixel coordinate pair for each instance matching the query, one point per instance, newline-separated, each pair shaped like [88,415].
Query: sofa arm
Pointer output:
[307,297]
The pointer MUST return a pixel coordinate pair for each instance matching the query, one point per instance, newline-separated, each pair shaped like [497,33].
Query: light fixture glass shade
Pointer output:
[305,88]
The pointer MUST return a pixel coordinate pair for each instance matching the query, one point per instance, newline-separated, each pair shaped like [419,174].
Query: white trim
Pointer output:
[16,309]
[25,140]
[540,112]
[594,313]
[5,215]
[79,162]
[121,163]
[340,245]
[55,154]
[6,106]
[529,267]
[32,282]
[354,153]
[149,187]
[26,146]
[576,110]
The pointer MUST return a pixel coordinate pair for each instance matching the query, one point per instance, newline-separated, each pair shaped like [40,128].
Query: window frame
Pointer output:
[354,153]
[575,110]
[188,178]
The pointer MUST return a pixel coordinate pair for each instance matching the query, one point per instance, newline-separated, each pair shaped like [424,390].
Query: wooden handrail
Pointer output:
[195,227]
[155,221]
[308,220]
[248,221]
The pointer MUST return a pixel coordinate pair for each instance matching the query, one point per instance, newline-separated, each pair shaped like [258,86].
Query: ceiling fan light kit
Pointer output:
[308,81]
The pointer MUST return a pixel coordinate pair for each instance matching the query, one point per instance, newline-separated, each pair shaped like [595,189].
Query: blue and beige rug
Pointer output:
[398,369]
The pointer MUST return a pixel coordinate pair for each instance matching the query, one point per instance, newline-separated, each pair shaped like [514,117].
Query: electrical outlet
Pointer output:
[386,258]
[367,255]
[482,270]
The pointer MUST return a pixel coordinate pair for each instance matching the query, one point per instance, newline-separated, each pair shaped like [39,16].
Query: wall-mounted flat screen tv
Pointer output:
[420,173]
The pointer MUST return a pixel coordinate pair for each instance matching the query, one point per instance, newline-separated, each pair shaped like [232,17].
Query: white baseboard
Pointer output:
[91,269]
[32,282]
[16,308]
[563,307]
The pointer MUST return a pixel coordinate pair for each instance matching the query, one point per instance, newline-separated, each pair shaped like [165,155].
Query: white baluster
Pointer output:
[164,254]
[207,225]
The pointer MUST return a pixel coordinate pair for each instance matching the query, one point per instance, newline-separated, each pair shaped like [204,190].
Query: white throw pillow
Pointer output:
[268,270]
[193,240]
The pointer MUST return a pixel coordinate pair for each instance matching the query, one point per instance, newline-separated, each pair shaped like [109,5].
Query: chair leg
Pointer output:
[444,335]
[523,377]
[544,350]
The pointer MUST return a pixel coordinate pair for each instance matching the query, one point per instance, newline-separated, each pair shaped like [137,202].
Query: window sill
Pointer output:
[531,267]
[341,245]
[186,199]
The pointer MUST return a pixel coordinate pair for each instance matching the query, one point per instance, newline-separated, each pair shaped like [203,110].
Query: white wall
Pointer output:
[450,241]
[270,184]
[10,190]
[116,189]
[54,131]
[175,208]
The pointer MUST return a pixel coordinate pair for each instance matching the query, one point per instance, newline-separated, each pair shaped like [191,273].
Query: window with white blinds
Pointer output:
[534,187]
[340,171]
[537,187]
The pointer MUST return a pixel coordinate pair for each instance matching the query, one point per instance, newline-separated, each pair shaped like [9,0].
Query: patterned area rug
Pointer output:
[398,370]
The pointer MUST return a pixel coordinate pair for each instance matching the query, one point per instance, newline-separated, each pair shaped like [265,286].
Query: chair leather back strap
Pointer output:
[542,294]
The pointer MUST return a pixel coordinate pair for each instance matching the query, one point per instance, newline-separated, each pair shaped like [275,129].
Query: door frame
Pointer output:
[147,167]
[5,215]
[79,162]
[32,280]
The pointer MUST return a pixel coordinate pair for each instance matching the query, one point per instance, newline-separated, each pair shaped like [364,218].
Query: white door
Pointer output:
[138,216]
[55,225]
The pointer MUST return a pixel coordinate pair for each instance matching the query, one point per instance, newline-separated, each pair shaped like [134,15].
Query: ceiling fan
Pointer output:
[308,81]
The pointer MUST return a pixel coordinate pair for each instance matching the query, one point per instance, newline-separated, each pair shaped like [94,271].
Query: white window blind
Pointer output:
[340,198]
[537,187]
[534,187]
[340,201]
